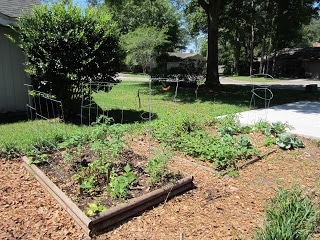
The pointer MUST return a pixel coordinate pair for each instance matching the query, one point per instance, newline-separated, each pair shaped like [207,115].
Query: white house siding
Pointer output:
[13,93]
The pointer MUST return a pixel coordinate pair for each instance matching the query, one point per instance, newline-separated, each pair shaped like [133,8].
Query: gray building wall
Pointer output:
[13,93]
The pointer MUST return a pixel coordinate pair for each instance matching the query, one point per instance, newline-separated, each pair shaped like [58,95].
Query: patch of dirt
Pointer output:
[220,207]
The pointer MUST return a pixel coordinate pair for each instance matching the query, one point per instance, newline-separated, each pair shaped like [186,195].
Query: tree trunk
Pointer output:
[252,42]
[212,10]
[236,52]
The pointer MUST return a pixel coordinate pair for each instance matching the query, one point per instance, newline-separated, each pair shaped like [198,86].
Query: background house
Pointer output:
[176,59]
[298,62]
[13,93]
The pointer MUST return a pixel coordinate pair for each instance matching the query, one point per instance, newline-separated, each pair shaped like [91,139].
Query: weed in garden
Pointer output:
[223,150]
[289,215]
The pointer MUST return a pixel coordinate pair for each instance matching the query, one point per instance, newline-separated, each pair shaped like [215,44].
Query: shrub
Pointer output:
[66,46]
[291,215]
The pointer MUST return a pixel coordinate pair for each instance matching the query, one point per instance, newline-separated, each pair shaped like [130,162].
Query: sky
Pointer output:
[81,3]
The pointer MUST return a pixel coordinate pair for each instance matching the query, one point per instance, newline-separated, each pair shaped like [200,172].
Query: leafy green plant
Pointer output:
[244,141]
[54,34]
[119,184]
[75,140]
[279,128]
[85,183]
[269,141]
[94,209]
[88,184]
[157,166]
[274,128]
[286,141]
[229,125]
[290,215]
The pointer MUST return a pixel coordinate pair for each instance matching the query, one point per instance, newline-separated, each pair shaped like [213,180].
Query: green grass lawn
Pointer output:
[130,102]
[138,75]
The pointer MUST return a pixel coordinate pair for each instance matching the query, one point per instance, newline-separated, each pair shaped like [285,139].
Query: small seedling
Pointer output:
[94,209]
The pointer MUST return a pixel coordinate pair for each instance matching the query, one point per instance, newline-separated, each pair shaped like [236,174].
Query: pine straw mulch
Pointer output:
[218,208]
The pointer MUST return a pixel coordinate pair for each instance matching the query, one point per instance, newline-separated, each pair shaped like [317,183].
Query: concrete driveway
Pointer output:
[304,117]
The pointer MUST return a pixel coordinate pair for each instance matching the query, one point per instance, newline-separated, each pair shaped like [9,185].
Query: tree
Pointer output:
[66,47]
[131,14]
[141,45]
[210,11]
[243,25]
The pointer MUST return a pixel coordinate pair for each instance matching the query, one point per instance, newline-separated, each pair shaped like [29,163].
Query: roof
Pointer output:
[10,10]
[308,53]
[178,56]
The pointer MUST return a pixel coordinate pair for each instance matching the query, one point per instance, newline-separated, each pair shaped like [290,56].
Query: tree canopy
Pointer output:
[240,27]
[141,45]
[131,14]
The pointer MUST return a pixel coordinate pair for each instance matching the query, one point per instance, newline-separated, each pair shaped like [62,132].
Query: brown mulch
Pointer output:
[218,208]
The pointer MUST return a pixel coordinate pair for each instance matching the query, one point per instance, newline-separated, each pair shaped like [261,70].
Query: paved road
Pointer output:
[297,84]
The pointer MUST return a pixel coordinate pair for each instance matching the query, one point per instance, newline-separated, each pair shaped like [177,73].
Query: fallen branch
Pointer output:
[256,159]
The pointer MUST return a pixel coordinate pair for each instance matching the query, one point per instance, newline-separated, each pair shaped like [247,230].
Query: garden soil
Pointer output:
[219,207]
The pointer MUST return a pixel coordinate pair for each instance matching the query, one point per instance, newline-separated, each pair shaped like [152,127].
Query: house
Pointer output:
[176,59]
[13,93]
[298,62]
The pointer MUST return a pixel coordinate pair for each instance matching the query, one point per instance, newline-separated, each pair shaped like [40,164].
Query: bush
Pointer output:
[65,47]
[291,215]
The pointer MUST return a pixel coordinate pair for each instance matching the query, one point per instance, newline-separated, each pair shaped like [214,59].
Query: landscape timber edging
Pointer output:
[112,215]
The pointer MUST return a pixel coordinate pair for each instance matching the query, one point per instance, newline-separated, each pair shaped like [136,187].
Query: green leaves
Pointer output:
[286,141]
[119,184]
[289,215]
[94,209]
[158,166]
[141,45]
[66,46]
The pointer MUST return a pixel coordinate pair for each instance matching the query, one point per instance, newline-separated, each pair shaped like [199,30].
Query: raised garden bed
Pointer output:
[117,211]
